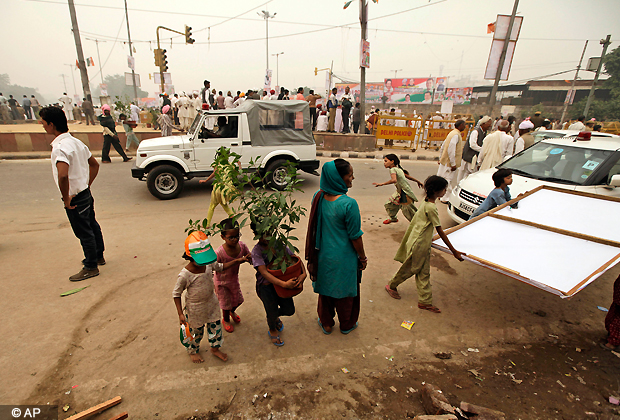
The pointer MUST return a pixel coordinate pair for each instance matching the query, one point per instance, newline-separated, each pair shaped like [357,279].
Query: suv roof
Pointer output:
[611,143]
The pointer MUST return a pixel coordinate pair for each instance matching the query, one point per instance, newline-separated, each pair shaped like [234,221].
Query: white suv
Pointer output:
[591,166]
[268,132]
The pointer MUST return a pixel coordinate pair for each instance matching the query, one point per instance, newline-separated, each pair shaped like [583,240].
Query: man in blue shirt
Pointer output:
[500,195]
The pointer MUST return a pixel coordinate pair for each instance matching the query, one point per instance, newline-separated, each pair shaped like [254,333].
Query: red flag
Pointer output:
[77,65]
[490,27]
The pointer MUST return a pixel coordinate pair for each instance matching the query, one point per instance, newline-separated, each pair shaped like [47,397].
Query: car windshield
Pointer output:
[555,163]
[541,135]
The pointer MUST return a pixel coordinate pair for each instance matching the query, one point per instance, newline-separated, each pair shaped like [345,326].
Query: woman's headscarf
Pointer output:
[331,181]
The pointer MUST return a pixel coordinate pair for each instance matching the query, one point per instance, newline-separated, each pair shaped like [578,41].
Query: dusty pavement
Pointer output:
[120,335]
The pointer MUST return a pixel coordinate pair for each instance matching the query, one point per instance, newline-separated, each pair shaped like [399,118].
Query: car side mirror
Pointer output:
[615,181]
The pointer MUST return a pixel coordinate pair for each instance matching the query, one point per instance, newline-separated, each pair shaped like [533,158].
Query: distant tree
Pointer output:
[117,87]
[18,91]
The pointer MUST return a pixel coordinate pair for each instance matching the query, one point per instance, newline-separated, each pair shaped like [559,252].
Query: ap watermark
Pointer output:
[36,412]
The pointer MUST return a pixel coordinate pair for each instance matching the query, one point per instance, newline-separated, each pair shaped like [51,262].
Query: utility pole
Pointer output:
[278,67]
[80,53]
[502,59]
[72,78]
[572,86]
[396,71]
[266,15]
[605,43]
[64,81]
[133,74]
[363,23]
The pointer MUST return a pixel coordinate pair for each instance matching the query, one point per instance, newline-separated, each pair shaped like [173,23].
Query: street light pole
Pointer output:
[278,67]
[363,23]
[605,43]
[572,87]
[133,74]
[266,15]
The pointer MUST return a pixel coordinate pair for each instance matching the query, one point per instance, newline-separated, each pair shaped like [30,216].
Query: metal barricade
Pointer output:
[437,128]
[402,131]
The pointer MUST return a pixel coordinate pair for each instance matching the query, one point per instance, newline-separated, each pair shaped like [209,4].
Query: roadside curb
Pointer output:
[371,155]
[343,155]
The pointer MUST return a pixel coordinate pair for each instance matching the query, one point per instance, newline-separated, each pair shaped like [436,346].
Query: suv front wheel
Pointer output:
[276,174]
[165,182]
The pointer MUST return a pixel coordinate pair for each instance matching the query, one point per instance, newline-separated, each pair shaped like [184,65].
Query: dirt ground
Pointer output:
[120,335]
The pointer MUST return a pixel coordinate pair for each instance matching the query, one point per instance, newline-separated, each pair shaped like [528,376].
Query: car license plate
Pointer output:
[467,209]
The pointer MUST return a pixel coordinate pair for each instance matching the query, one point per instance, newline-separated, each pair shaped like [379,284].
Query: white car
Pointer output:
[591,166]
[550,134]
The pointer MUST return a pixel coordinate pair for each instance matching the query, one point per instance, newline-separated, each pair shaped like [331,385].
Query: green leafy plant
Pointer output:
[274,213]
[154,113]
[122,105]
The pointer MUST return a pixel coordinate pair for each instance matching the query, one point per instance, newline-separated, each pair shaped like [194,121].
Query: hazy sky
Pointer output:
[439,38]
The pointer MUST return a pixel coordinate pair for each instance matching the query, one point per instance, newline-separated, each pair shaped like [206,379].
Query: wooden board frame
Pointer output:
[516,275]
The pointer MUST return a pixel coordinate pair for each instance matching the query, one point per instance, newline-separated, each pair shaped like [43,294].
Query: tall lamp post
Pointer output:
[266,15]
[278,67]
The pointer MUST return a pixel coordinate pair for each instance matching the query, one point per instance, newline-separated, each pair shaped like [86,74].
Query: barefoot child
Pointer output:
[201,305]
[275,306]
[415,249]
[227,282]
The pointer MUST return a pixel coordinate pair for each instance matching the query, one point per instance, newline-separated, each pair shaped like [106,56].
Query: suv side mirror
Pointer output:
[615,181]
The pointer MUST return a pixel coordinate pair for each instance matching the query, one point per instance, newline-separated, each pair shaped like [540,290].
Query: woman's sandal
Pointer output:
[388,221]
[228,328]
[393,293]
[323,328]
[351,329]
[236,318]
[431,308]
[277,338]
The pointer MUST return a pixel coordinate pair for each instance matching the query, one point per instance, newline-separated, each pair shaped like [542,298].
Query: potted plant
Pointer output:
[154,114]
[274,213]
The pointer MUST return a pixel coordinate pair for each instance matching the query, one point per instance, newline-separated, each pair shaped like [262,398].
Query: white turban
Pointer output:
[526,125]
[484,120]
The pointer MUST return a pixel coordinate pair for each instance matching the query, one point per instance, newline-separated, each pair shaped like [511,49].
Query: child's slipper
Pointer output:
[321,325]
[388,221]
[431,308]
[235,318]
[348,331]
[603,346]
[229,328]
[393,293]
[277,337]
[279,325]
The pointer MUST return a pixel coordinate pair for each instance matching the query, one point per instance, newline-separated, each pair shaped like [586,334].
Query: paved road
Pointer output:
[120,335]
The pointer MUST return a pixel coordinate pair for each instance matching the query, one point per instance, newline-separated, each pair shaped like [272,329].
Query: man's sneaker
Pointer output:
[101,261]
[86,273]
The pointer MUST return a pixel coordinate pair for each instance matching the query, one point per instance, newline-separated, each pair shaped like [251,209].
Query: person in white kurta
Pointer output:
[67,106]
[450,156]
[135,112]
[228,101]
[192,106]
[578,125]
[497,147]
[468,166]
[184,116]
[524,129]
[322,122]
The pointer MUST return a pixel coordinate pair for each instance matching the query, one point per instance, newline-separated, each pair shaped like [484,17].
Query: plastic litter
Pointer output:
[65,408]
[73,291]
[393,389]
[561,384]
[472,350]
[614,400]
[345,370]
[407,324]
[602,309]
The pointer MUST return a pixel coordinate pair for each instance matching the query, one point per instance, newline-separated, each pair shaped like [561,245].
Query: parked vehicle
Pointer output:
[590,166]
[270,133]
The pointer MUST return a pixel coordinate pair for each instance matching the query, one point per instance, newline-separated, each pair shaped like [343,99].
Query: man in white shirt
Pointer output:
[450,156]
[67,106]
[525,138]
[135,112]
[578,125]
[239,100]
[184,117]
[228,101]
[497,147]
[473,147]
[74,169]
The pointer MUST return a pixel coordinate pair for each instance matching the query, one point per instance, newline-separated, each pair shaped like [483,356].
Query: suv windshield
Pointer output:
[551,162]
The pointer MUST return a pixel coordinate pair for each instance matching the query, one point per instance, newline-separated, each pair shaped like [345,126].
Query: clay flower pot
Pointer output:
[292,271]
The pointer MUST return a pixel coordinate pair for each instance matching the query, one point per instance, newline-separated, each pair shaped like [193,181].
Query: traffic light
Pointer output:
[316,71]
[164,61]
[157,52]
[188,35]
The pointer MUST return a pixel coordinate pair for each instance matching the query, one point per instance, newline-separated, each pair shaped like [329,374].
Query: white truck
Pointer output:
[268,132]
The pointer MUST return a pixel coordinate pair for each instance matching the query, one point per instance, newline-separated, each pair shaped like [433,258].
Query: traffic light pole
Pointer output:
[162,62]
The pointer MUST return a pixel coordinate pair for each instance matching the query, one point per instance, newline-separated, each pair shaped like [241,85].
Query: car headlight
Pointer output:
[457,190]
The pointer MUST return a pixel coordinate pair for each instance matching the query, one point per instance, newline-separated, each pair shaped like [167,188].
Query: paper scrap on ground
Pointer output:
[407,324]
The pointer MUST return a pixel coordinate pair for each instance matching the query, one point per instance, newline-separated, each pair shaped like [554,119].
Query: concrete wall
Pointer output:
[40,142]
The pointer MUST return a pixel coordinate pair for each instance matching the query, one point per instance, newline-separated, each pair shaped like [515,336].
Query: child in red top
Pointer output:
[226,282]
